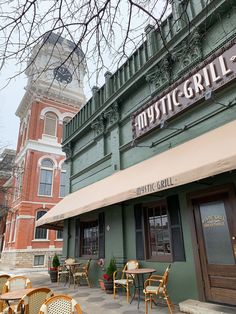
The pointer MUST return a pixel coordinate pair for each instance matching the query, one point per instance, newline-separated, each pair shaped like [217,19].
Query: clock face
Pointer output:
[62,74]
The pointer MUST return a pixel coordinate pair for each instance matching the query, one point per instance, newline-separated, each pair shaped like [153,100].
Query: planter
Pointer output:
[53,275]
[108,286]
[101,284]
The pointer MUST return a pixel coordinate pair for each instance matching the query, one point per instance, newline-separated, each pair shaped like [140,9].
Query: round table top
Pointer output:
[140,271]
[15,295]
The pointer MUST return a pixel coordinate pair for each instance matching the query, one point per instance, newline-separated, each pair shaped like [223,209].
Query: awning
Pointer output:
[207,155]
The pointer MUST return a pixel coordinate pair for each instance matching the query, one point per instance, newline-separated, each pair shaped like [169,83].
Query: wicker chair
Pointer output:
[3,280]
[64,270]
[125,280]
[81,272]
[60,304]
[16,282]
[32,301]
[156,285]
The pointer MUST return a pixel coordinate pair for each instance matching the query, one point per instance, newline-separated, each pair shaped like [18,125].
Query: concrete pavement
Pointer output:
[91,300]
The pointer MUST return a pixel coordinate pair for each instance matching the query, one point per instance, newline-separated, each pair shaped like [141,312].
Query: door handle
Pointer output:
[233,238]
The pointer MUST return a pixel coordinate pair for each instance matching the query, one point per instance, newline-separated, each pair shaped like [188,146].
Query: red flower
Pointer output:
[106,277]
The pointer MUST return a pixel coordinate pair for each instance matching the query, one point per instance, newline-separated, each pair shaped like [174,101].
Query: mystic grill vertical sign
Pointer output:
[213,73]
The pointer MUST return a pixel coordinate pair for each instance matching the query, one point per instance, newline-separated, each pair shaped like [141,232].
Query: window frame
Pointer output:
[82,228]
[58,238]
[38,256]
[39,228]
[40,174]
[48,119]
[63,171]
[147,240]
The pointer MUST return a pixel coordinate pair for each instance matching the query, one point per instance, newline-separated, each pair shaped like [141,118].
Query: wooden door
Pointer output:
[215,219]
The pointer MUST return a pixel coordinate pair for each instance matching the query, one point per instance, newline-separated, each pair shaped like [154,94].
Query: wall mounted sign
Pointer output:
[216,71]
[213,221]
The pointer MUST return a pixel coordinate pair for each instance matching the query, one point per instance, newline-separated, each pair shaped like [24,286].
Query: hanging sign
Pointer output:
[213,73]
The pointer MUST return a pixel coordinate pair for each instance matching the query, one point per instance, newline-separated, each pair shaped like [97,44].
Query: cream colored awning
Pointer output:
[209,154]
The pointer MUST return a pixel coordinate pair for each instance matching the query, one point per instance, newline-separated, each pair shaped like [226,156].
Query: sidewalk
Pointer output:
[91,300]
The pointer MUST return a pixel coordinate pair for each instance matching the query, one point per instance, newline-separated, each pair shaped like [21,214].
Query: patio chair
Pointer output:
[32,301]
[125,280]
[156,286]
[3,280]
[59,304]
[64,270]
[16,282]
[81,272]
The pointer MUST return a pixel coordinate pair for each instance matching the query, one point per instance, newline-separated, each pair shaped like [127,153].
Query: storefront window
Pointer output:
[158,238]
[89,238]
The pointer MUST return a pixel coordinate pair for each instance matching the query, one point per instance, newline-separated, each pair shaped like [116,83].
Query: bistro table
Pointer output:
[71,268]
[15,295]
[139,283]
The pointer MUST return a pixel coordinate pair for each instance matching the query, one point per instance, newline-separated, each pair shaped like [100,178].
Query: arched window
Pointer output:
[50,124]
[63,181]
[46,177]
[40,233]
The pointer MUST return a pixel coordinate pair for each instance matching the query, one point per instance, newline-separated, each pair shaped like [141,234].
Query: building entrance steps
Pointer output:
[197,307]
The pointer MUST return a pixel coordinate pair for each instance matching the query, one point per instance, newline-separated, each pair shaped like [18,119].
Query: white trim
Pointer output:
[25,217]
[41,146]
[67,114]
[50,109]
[48,157]
[60,163]
[36,203]
[32,250]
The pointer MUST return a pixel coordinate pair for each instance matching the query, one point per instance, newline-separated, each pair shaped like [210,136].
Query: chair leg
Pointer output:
[169,304]
[114,290]
[146,304]
[87,279]
[127,293]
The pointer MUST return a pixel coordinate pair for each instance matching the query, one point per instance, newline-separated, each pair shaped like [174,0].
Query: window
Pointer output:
[50,124]
[63,181]
[158,230]
[158,238]
[39,260]
[90,237]
[46,176]
[40,233]
[60,234]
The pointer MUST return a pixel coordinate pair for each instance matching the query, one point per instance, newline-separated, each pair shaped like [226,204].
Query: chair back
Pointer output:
[87,265]
[165,277]
[69,261]
[17,282]
[131,264]
[33,300]
[3,280]
[59,304]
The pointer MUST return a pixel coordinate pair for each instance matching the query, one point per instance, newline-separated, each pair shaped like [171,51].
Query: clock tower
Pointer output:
[54,94]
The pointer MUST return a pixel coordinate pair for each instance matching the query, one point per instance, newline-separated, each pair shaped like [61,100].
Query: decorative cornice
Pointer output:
[189,52]
[98,125]
[112,115]
[68,151]
[160,75]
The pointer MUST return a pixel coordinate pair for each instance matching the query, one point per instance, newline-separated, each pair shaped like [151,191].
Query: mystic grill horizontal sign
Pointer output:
[213,73]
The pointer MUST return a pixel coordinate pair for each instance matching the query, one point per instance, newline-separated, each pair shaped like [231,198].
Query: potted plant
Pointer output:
[53,270]
[108,276]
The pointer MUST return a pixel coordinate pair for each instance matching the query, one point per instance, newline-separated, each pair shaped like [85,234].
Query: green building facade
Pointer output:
[151,158]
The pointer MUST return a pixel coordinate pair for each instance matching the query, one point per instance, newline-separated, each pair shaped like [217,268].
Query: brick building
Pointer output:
[7,158]
[54,93]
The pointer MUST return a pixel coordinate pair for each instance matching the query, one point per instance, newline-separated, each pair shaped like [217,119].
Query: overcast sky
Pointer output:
[11,95]
[10,98]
